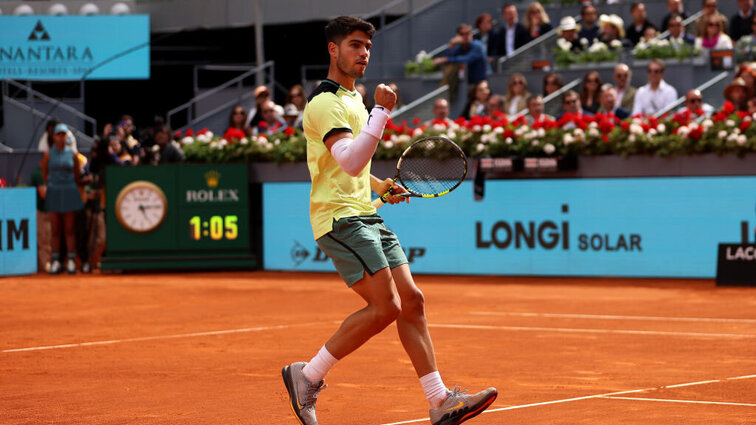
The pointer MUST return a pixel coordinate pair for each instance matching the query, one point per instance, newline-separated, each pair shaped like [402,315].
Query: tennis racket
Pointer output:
[429,168]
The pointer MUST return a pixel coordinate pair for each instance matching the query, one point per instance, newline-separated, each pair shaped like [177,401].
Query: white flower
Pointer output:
[732,137]
[498,130]
[579,135]
[476,128]
[417,132]
[277,142]
[652,132]
[487,128]
[204,138]
[635,129]
[403,139]
[488,138]
[616,44]
[707,124]
[388,144]
[439,127]
[683,131]
[631,138]
[480,147]
[565,45]
[508,140]
[222,142]
[593,124]
[730,123]
[549,148]
[597,47]
[661,128]
[244,141]
[693,126]
[421,55]
[535,143]
[187,140]
[583,41]
[567,139]
[541,132]
[741,140]
[722,134]
[593,132]
[214,145]
[452,135]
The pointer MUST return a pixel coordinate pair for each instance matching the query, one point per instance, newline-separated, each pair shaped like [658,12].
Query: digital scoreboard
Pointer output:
[178,216]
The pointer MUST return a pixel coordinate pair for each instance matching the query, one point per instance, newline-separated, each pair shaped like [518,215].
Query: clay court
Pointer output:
[207,348]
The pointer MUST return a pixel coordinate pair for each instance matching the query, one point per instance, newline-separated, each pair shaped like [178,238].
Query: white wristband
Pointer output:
[376,122]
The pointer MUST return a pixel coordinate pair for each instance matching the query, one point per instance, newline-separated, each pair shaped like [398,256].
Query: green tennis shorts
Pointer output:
[361,244]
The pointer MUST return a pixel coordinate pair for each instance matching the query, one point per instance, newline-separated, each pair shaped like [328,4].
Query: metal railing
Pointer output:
[189,108]
[703,87]
[687,21]
[83,140]
[569,86]
[31,95]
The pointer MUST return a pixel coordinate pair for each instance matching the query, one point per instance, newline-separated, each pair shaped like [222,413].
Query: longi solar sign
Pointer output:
[60,48]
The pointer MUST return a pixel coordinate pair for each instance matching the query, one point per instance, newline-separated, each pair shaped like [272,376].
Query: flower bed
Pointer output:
[726,132]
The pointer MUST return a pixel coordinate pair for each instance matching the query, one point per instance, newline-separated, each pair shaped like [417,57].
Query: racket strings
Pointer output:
[423,175]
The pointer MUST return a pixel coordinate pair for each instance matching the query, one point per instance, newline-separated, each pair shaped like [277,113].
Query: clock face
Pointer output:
[141,207]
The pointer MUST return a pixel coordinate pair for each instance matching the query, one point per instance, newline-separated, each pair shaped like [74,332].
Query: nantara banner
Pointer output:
[64,48]
[634,227]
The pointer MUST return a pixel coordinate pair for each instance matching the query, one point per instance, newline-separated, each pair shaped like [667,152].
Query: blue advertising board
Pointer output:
[633,227]
[60,48]
[18,231]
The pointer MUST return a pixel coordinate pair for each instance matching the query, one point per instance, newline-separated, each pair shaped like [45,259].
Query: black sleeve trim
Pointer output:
[336,130]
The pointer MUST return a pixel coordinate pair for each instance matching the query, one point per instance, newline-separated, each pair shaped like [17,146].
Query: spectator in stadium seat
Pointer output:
[747,72]
[238,120]
[609,103]
[495,108]
[464,49]
[292,116]
[695,104]
[166,150]
[511,34]
[551,83]
[272,122]
[536,110]
[517,94]
[262,94]
[649,34]
[590,92]
[131,143]
[362,90]
[613,28]
[441,113]
[714,37]
[537,21]
[677,34]
[625,91]
[635,30]
[709,7]
[571,105]
[675,8]
[738,93]
[568,30]
[60,170]
[589,24]
[297,96]
[740,23]
[477,100]
[657,94]
[486,34]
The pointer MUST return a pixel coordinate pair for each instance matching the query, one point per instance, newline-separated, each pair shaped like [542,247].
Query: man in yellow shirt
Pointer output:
[341,140]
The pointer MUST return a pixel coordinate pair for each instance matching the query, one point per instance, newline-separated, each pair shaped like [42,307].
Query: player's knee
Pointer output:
[387,312]
[413,305]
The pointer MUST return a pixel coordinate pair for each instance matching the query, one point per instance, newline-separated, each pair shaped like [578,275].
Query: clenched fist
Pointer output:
[385,97]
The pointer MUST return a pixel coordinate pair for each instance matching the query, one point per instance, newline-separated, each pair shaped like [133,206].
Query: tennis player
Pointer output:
[341,139]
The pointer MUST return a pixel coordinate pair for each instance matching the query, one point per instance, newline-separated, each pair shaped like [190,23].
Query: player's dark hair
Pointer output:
[340,27]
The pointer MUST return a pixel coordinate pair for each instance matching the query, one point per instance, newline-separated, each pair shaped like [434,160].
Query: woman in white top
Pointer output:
[517,93]
[714,36]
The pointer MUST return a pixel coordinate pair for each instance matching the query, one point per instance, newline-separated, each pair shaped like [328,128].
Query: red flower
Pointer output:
[233,134]
[262,124]
[744,125]
[625,125]
[461,121]
[290,131]
[696,134]
[177,134]
[203,131]
[728,107]
[605,138]
[508,133]
[189,132]
[439,122]
[719,117]
[606,125]
[416,121]
[742,114]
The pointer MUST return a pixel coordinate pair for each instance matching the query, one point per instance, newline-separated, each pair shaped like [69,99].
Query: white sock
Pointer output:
[435,390]
[319,366]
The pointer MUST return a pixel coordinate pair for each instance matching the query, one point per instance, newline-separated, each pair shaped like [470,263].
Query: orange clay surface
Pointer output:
[207,348]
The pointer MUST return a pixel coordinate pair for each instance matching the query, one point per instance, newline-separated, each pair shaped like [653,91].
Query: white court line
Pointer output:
[692,383]
[595,331]
[159,337]
[613,317]
[724,403]
[567,400]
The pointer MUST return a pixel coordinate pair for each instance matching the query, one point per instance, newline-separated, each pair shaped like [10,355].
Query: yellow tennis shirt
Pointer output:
[334,193]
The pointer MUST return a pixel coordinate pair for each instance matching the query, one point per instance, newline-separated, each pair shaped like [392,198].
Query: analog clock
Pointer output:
[141,207]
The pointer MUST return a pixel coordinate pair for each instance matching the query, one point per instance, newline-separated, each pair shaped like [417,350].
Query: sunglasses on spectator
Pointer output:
[655,71]
[620,75]
[713,24]
[239,112]
[710,5]
[518,82]
[592,80]
[570,101]
[695,99]
[552,83]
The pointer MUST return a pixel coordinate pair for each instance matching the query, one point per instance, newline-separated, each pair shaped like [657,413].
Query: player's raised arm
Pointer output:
[353,154]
